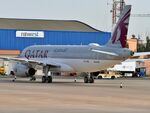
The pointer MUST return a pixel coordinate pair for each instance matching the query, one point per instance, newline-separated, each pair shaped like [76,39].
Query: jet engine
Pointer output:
[22,70]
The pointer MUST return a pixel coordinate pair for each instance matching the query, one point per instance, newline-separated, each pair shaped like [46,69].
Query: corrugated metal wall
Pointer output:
[9,41]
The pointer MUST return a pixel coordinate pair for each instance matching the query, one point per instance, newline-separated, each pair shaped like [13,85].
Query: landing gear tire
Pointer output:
[88,79]
[43,79]
[49,79]
[14,79]
[91,80]
[85,79]
[33,78]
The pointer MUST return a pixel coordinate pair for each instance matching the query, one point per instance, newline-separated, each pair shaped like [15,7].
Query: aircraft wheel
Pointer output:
[43,79]
[13,80]
[33,78]
[85,79]
[91,80]
[49,79]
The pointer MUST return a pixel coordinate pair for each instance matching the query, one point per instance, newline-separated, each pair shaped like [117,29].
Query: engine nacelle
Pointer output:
[22,70]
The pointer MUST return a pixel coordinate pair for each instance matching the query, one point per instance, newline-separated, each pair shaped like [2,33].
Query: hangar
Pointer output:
[16,34]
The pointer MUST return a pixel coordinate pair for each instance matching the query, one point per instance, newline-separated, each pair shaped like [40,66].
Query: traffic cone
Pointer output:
[75,80]
[121,85]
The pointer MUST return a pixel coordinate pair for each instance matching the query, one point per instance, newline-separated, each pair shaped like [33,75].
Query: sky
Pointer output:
[95,13]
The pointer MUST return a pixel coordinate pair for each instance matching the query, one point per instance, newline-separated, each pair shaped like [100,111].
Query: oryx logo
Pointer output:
[121,30]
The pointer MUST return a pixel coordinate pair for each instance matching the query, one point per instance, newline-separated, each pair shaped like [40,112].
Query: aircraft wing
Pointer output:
[53,64]
[25,60]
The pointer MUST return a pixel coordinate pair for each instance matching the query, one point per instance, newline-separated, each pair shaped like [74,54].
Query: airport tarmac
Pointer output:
[65,96]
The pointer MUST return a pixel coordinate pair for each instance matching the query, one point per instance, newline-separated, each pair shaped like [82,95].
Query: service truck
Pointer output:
[131,67]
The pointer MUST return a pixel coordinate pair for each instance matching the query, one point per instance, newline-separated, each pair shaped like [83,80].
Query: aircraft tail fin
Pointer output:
[119,34]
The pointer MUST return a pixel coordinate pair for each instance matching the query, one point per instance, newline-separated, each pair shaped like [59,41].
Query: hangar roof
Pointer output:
[37,24]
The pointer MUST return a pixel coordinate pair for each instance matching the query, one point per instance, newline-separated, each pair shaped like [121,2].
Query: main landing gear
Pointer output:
[47,78]
[33,78]
[88,79]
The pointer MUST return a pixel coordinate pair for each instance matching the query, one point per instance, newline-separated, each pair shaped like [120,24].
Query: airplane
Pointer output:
[75,58]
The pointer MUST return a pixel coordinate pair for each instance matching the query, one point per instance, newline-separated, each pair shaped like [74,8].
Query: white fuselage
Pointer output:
[75,58]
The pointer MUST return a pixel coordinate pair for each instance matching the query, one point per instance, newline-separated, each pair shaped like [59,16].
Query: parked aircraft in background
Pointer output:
[75,58]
